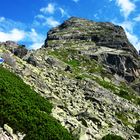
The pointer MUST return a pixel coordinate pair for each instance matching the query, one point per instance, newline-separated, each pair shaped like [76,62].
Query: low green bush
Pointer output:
[137,127]
[112,137]
[124,94]
[106,84]
[26,111]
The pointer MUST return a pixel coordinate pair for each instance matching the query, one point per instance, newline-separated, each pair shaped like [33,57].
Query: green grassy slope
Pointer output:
[26,111]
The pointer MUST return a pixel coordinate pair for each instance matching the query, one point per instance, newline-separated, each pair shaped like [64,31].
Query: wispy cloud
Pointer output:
[14,35]
[35,46]
[34,36]
[51,22]
[48,21]
[53,9]
[137,19]
[126,7]
[7,25]
[2,19]
[18,32]
[134,40]
[128,25]
[63,12]
[36,39]
[49,9]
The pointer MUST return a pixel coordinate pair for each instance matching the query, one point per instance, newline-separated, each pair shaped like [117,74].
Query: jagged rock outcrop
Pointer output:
[85,69]
[16,49]
[104,42]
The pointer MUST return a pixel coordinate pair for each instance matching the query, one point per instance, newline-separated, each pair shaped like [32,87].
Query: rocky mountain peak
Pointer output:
[103,41]
[101,33]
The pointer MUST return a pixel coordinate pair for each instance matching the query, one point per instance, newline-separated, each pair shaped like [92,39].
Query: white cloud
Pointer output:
[36,39]
[49,9]
[33,35]
[14,35]
[63,12]
[7,25]
[137,18]
[76,1]
[127,25]
[126,7]
[2,19]
[16,31]
[40,16]
[134,40]
[51,22]
[35,46]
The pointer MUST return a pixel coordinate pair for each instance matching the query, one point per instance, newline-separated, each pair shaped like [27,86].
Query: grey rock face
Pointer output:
[101,42]
[102,33]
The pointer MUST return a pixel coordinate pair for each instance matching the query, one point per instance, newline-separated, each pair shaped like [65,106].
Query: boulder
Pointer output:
[21,51]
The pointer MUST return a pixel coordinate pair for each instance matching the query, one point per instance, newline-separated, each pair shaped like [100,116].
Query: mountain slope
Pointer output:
[25,111]
[90,73]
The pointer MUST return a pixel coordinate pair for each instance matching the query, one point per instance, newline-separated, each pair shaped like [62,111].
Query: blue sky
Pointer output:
[27,21]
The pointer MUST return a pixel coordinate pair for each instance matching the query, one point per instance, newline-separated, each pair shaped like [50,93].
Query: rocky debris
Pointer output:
[7,133]
[32,60]
[50,61]
[68,68]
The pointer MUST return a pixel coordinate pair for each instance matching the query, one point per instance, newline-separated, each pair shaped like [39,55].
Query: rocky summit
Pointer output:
[90,72]
[104,42]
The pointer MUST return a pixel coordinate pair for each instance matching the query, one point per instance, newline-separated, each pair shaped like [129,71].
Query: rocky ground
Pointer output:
[90,72]
[6,133]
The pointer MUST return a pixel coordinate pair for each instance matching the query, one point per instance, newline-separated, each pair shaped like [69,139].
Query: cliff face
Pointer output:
[101,33]
[86,69]
[104,42]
